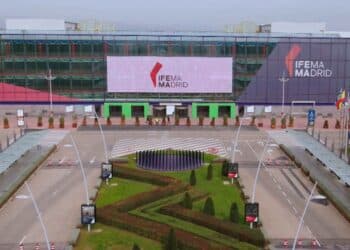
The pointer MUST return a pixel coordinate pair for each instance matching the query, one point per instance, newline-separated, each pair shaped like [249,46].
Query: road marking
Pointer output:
[256,155]
[61,161]
[284,194]
[308,229]
[22,196]
[290,203]
[92,160]
[295,210]
[279,187]
[24,237]
[274,180]
[67,145]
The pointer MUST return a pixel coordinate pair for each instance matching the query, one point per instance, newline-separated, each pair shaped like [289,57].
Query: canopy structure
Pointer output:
[10,93]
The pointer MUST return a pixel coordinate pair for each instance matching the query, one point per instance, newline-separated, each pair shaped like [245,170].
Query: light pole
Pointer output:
[49,77]
[284,80]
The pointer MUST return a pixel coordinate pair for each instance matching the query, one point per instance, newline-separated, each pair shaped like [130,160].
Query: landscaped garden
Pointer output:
[193,209]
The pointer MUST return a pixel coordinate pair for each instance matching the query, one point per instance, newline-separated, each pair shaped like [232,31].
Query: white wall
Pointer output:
[35,24]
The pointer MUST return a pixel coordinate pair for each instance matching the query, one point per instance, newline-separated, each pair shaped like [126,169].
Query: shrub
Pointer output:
[84,121]
[51,122]
[201,121]
[212,122]
[291,121]
[188,122]
[171,242]
[234,215]
[40,121]
[136,247]
[325,124]
[137,121]
[273,122]
[74,121]
[252,122]
[209,207]
[109,122]
[187,201]
[193,180]
[237,121]
[122,120]
[177,120]
[225,121]
[283,123]
[6,122]
[224,169]
[337,124]
[150,120]
[210,172]
[61,122]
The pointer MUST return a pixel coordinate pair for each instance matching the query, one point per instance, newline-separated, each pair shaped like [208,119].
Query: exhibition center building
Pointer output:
[193,74]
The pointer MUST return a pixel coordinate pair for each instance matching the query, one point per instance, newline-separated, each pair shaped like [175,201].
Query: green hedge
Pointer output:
[241,232]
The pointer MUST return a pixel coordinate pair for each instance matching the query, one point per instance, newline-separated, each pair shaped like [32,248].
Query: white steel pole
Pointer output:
[302,216]
[39,215]
[103,137]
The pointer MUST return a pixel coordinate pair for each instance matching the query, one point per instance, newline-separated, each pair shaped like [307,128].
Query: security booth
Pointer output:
[203,111]
[115,111]
[137,111]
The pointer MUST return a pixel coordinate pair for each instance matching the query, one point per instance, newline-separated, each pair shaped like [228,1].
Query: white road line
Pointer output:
[284,194]
[308,229]
[289,202]
[256,155]
[279,187]
[24,237]
[61,161]
[92,160]
[274,180]
[295,210]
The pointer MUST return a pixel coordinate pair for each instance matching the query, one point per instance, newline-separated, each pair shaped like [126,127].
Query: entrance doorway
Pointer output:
[137,111]
[181,111]
[159,111]
[115,111]
[203,111]
[224,111]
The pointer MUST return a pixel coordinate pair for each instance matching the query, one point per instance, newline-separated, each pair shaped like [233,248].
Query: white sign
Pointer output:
[170,109]
[250,109]
[268,109]
[69,109]
[20,122]
[20,113]
[88,109]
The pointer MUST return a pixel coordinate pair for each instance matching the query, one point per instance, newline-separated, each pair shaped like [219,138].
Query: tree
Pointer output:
[209,207]
[136,247]
[193,180]
[187,201]
[234,215]
[171,242]
[224,169]
[210,172]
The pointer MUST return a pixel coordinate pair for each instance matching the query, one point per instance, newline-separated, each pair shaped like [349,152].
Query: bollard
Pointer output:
[14,136]
[52,246]
[325,141]
[7,141]
[333,147]
[313,132]
[319,136]
[0,147]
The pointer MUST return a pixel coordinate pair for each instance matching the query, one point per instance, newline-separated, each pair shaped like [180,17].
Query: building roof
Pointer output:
[13,93]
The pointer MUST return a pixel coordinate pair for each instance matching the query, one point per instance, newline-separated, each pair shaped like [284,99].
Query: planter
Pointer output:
[337,124]
[74,125]
[84,123]
[225,121]
[188,122]
[51,125]
[61,122]
[109,122]
[40,121]
[325,124]
[212,122]
[6,123]
[260,124]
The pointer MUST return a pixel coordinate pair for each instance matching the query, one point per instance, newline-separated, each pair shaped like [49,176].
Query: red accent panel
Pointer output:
[290,58]
[154,73]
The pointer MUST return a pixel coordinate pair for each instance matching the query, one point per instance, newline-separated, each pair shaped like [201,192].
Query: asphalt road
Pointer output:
[58,186]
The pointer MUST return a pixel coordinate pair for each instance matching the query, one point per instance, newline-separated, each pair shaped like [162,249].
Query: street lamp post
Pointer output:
[284,80]
[49,77]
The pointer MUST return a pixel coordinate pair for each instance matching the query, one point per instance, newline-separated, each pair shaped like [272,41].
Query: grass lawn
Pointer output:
[103,237]
[119,189]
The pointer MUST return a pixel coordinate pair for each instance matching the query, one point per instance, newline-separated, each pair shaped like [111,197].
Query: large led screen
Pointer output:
[148,74]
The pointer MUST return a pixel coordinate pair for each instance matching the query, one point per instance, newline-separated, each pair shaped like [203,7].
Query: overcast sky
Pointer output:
[183,14]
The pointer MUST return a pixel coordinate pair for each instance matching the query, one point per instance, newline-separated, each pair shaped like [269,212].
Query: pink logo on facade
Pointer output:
[290,58]
[155,72]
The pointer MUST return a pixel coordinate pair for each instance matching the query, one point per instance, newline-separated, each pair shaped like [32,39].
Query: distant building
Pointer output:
[294,27]
[35,24]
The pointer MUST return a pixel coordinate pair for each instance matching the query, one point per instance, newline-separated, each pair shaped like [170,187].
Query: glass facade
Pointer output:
[78,61]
